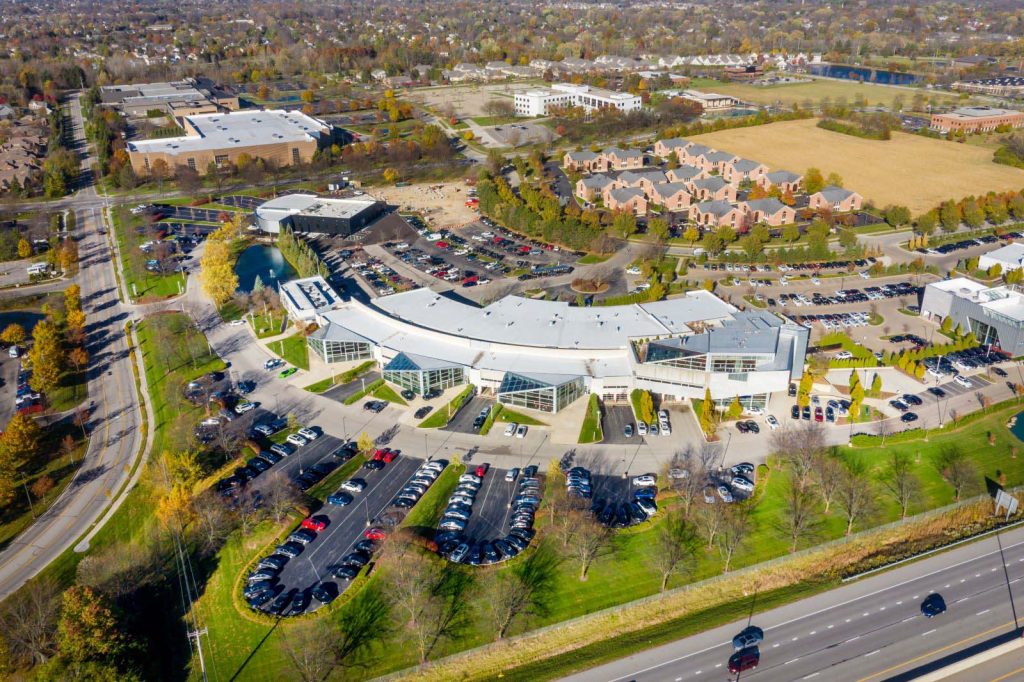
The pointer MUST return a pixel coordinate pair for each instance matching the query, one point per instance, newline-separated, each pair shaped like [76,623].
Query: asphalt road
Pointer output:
[489,520]
[114,422]
[343,391]
[614,422]
[871,629]
[462,422]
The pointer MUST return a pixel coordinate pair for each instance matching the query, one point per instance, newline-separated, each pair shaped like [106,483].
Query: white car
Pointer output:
[296,440]
[633,270]
[641,428]
[521,431]
[212,421]
[843,355]
[435,466]
[772,422]
[663,415]
[864,274]
[469,478]
[242,408]
[963,381]
[645,481]
[237,323]
[666,429]
[724,493]
[935,373]
[742,483]
[353,486]
[510,430]
[308,434]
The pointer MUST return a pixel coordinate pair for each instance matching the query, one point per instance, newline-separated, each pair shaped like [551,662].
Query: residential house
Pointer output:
[685,174]
[593,186]
[712,188]
[743,170]
[718,214]
[644,179]
[835,199]
[674,144]
[694,151]
[589,161]
[624,159]
[673,196]
[784,180]
[769,211]
[626,199]
[714,161]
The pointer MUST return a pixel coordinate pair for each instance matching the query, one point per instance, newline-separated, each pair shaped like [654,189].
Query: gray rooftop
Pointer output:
[670,189]
[771,205]
[712,184]
[717,208]
[746,165]
[833,193]
[623,153]
[312,205]
[238,129]
[684,172]
[716,157]
[624,194]
[780,176]
[696,149]
[653,174]
[584,155]
[598,181]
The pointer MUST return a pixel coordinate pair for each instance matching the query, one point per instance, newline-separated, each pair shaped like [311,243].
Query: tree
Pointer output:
[365,622]
[21,437]
[75,320]
[876,385]
[899,479]
[24,248]
[310,648]
[813,181]
[88,628]
[826,471]
[803,395]
[218,277]
[524,589]
[47,357]
[800,515]
[13,334]
[799,447]
[709,519]
[958,470]
[390,175]
[591,541]
[735,409]
[365,443]
[658,228]
[897,215]
[692,234]
[733,532]
[79,357]
[855,494]
[834,180]
[677,546]
[624,224]
[949,215]
[29,616]
[926,223]
[791,232]
[707,414]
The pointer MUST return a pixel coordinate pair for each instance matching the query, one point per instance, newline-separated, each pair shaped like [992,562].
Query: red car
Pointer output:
[819,416]
[441,245]
[378,456]
[524,249]
[744,659]
[375,534]
[481,470]
[389,456]
[313,524]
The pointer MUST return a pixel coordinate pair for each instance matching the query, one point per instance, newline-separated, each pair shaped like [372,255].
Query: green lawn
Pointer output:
[334,480]
[292,350]
[269,324]
[427,512]
[593,258]
[343,378]
[72,390]
[363,391]
[507,415]
[385,392]
[443,416]
[591,431]
[494,120]
[141,283]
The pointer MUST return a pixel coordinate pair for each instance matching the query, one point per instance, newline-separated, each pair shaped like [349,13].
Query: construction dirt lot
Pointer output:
[444,204]
[467,100]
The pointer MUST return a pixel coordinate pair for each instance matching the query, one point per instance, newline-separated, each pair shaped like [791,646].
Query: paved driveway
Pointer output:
[614,422]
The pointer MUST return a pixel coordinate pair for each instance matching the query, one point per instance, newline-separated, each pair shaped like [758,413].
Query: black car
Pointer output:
[431,394]
[752,427]
[908,417]
[374,405]
[423,412]
[300,603]
[325,593]
[933,605]
[260,598]
[806,414]
[344,572]
[374,465]
[742,427]
[408,395]
[937,392]
[280,604]
[792,390]
[998,372]
[911,399]
[795,412]
[366,545]
[607,515]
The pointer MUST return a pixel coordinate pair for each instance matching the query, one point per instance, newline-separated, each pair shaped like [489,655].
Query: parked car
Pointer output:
[645,480]
[296,440]
[308,434]
[339,499]
[521,431]
[510,429]
[423,412]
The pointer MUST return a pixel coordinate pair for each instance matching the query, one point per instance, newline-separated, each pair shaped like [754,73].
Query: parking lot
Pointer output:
[491,509]
[613,424]
[345,527]
[343,391]
[470,410]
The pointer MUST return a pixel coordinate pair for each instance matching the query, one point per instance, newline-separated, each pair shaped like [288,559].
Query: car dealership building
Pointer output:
[544,355]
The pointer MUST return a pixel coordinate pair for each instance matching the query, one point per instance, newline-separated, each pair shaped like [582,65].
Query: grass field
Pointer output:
[292,350]
[917,172]
[140,282]
[815,91]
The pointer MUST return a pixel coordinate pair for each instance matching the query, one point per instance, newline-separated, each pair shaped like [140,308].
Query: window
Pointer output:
[296,159]
[145,161]
[191,163]
[535,394]
[340,351]
[220,160]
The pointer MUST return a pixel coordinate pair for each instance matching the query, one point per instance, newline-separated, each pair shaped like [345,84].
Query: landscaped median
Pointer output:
[591,431]
[445,414]
[361,393]
[292,350]
[343,378]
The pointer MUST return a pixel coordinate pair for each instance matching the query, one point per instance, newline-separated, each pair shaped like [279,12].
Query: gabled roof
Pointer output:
[670,189]
[695,149]
[654,175]
[746,165]
[623,153]
[584,155]
[712,184]
[684,172]
[598,181]
[781,176]
[833,194]
[771,205]
[719,156]
[674,142]
[624,194]
[717,208]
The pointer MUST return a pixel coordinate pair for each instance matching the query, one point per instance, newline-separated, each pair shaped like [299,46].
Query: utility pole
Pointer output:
[196,634]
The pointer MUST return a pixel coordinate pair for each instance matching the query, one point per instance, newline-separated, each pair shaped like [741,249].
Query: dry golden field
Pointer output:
[917,172]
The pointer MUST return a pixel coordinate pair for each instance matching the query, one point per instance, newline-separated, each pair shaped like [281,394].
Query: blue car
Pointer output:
[339,499]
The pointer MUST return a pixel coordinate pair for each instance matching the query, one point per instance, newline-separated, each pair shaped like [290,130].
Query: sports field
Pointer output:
[917,172]
[815,91]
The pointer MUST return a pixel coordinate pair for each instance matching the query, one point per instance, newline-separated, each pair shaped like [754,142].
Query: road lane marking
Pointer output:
[872,653]
[1008,675]
[982,613]
[807,677]
[925,634]
[831,626]
[792,660]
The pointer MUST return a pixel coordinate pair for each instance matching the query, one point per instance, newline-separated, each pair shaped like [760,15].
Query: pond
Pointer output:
[1018,426]
[264,261]
[26,318]
[864,74]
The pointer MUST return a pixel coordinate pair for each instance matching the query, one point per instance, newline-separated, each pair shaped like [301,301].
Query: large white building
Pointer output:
[540,102]
[995,315]
[1009,257]
[543,355]
[308,297]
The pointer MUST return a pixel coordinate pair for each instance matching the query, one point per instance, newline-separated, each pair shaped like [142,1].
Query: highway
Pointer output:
[869,629]
[115,418]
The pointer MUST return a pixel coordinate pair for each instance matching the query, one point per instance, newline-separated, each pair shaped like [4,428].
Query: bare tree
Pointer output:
[523,590]
[279,495]
[563,508]
[247,510]
[30,619]
[677,546]
[900,481]
[883,428]
[733,533]
[799,447]
[690,486]
[855,494]
[827,471]
[590,540]
[709,519]
[310,648]
[800,518]
[959,471]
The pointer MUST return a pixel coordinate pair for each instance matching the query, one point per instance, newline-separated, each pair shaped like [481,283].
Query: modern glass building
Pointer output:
[543,392]
[334,343]
[421,374]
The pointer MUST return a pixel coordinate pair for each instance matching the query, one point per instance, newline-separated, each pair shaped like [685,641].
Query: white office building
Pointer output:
[541,102]
[306,298]
[544,355]
[1009,257]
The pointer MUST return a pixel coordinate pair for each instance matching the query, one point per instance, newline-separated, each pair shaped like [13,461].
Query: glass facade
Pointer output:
[535,394]
[340,351]
[676,357]
[406,374]
[985,333]
[747,401]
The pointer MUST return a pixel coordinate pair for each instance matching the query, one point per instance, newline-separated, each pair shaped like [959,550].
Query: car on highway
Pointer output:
[749,636]
[285,373]
[744,659]
[933,605]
